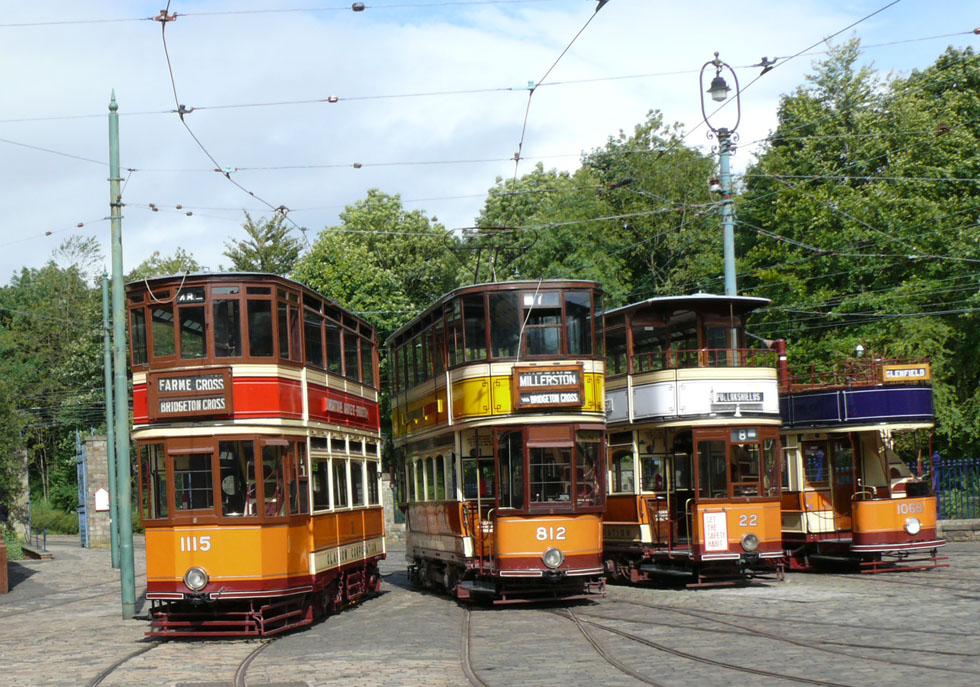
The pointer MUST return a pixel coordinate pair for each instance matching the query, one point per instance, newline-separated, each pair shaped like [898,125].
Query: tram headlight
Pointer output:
[196,579]
[552,557]
[912,525]
[750,542]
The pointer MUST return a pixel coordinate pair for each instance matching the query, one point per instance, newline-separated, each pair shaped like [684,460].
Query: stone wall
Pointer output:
[97,467]
[959,530]
[393,531]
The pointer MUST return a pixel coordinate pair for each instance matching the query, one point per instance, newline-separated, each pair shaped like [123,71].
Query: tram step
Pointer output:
[478,586]
[664,570]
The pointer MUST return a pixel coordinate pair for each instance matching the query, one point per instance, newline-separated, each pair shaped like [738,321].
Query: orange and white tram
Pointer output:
[694,474]
[849,495]
[255,411]
[497,414]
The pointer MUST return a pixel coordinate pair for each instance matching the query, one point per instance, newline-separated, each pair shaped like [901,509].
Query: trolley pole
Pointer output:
[127,577]
[110,430]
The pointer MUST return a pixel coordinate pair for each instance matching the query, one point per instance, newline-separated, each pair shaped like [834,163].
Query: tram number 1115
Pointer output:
[193,543]
[551,534]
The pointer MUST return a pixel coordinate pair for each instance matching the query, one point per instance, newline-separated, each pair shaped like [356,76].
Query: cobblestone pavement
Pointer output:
[61,625]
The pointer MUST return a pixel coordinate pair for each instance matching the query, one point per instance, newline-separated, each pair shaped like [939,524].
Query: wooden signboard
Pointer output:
[189,393]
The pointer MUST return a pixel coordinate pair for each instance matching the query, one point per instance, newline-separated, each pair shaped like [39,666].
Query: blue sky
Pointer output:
[56,80]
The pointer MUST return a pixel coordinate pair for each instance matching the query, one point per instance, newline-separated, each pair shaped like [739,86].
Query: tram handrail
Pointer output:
[673,358]
[689,516]
[844,373]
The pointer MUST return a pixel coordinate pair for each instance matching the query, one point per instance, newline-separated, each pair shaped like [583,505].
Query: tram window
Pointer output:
[153,467]
[272,480]
[417,360]
[474,327]
[510,457]
[652,471]
[138,335]
[236,463]
[543,323]
[616,351]
[291,481]
[440,479]
[340,483]
[454,332]
[770,476]
[295,333]
[438,349]
[430,483]
[843,463]
[815,464]
[259,328]
[745,469]
[334,359]
[712,469]
[314,339]
[788,454]
[453,480]
[162,329]
[283,323]
[350,355]
[321,484]
[622,471]
[373,489]
[649,347]
[367,363]
[250,290]
[505,324]
[227,326]
[550,474]
[682,471]
[578,322]
[357,482]
[419,487]
[587,448]
[482,473]
[600,339]
[192,344]
[192,481]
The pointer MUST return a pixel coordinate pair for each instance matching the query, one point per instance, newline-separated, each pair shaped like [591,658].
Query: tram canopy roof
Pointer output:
[695,301]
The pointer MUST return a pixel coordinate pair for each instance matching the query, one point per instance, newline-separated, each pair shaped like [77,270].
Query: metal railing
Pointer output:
[843,373]
[956,483]
[671,359]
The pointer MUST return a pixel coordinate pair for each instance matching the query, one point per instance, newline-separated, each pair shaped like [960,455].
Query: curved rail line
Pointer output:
[609,658]
[464,653]
[242,669]
[97,680]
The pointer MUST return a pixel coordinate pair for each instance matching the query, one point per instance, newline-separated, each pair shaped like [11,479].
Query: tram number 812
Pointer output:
[551,534]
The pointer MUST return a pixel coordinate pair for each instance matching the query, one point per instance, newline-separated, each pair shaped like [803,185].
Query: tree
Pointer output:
[159,266]
[269,248]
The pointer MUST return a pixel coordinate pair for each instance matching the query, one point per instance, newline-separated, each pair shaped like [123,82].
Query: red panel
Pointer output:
[268,397]
[328,405]
[141,413]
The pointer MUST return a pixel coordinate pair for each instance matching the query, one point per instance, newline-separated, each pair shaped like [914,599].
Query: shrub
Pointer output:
[54,521]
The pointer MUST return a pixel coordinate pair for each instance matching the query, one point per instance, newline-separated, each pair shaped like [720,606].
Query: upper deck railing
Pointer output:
[861,372]
[671,359]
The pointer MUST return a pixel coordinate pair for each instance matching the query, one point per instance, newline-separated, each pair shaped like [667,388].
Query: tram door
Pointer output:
[681,486]
[842,485]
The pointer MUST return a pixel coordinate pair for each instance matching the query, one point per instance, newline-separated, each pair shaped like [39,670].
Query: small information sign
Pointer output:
[906,373]
[101,499]
[715,531]
[548,387]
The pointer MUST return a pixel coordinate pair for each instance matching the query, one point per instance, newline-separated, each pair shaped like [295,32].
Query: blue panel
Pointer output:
[888,404]
[815,407]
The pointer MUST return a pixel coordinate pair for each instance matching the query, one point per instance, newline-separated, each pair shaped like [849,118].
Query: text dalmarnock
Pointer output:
[562,378]
[170,385]
[738,397]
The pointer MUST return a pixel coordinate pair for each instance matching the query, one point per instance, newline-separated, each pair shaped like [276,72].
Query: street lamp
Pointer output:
[719,90]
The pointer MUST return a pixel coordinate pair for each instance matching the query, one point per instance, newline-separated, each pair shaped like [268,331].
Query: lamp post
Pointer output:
[719,90]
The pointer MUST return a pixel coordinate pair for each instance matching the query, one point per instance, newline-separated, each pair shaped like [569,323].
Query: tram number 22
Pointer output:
[550,534]
[196,543]
[746,520]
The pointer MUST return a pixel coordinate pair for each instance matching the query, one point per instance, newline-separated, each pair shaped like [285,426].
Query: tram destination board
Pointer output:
[548,387]
[189,393]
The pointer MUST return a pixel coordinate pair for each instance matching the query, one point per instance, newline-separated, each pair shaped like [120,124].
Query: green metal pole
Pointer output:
[110,430]
[127,577]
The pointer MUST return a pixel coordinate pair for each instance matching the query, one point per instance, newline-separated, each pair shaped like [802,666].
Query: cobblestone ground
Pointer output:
[60,626]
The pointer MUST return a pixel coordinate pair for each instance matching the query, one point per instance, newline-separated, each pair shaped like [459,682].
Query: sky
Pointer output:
[255,76]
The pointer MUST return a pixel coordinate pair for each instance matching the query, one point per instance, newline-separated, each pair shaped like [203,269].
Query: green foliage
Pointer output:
[162,266]
[54,520]
[269,247]
[859,221]
[13,543]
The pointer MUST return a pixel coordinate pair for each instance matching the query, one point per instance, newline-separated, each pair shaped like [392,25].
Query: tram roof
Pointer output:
[493,286]
[243,276]
[695,301]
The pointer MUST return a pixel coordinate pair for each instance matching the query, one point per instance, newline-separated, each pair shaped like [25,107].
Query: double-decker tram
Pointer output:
[498,421]
[854,435]
[694,474]
[255,410]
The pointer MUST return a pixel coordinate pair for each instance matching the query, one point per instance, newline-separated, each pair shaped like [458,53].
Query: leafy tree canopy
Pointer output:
[270,246]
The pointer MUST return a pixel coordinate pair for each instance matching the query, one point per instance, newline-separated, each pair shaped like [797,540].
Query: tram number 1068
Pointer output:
[551,534]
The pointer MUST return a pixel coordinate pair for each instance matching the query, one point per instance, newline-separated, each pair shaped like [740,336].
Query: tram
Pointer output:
[693,418]
[854,435]
[255,418]
[497,419]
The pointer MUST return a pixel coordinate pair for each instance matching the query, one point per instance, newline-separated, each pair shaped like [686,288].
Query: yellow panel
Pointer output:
[521,536]
[471,397]
[502,401]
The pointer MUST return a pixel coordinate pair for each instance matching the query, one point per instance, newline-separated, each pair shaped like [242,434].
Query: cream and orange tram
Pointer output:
[255,410]
[694,475]
[855,433]
[497,418]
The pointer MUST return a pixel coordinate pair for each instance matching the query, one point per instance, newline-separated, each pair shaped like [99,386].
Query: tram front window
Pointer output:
[543,324]
[236,465]
[192,333]
[162,331]
[653,473]
[712,469]
[227,329]
[622,471]
[505,324]
[510,454]
[153,467]
[550,471]
[478,480]
[272,480]
[815,464]
[259,328]
[587,448]
[578,322]
[745,469]
[192,481]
